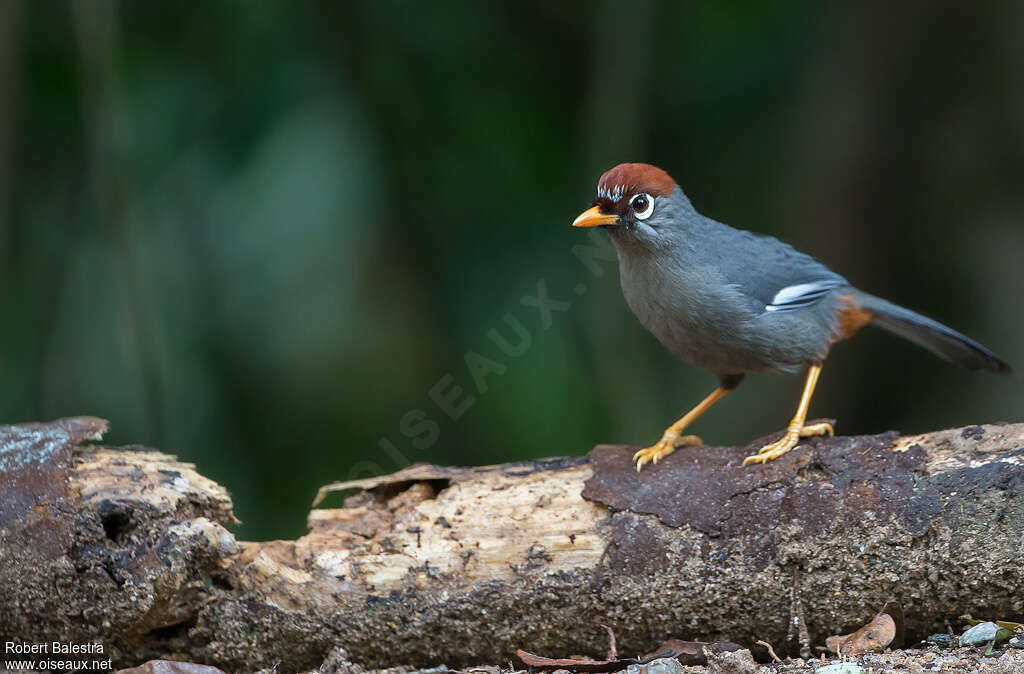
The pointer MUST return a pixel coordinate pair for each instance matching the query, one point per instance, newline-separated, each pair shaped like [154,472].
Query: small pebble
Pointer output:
[659,666]
[980,633]
[841,668]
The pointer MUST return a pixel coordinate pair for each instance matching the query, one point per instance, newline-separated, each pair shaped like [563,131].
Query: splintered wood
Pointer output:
[490,524]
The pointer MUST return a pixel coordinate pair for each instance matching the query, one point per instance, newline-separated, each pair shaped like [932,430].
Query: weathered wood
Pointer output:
[129,548]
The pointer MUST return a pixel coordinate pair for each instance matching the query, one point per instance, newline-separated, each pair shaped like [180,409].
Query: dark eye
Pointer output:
[642,205]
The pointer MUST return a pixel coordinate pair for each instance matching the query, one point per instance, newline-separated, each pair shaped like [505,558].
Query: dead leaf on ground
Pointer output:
[579,665]
[686,652]
[884,629]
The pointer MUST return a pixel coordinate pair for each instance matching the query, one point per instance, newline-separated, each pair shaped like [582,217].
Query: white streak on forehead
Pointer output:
[614,193]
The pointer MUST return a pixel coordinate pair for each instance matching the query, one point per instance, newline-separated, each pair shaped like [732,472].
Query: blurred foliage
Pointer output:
[260,234]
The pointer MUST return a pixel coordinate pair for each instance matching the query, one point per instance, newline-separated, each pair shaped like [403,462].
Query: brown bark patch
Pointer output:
[823,483]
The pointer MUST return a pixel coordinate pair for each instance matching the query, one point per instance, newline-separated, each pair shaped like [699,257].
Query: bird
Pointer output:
[732,301]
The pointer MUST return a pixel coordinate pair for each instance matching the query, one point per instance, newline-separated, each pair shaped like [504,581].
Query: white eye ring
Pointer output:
[646,204]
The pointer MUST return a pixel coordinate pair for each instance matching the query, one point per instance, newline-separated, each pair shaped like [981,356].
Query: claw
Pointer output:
[663,448]
[776,449]
[788,442]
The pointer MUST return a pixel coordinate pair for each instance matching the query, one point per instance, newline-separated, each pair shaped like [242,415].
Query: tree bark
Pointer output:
[127,547]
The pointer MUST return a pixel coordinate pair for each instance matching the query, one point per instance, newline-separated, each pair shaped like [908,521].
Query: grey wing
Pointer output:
[775,277]
[791,299]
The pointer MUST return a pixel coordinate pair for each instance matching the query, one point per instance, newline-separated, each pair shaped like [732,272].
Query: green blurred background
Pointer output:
[258,234]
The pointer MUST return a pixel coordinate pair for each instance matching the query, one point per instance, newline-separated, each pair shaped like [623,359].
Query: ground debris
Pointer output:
[657,666]
[681,653]
[990,632]
[884,629]
[966,660]
[170,667]
[980,634]
[730,661]
[578,664]
[692,652]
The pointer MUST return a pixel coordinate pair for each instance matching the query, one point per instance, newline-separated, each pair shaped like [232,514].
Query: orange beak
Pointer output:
[592,217]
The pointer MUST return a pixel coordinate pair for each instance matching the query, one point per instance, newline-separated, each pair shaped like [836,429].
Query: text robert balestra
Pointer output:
[51,648]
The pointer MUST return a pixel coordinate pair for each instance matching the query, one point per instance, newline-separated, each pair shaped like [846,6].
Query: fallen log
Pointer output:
[128,548]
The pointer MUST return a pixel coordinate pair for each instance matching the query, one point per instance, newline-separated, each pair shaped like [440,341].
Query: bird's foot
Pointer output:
[776,449]
[788,442]
[663,448]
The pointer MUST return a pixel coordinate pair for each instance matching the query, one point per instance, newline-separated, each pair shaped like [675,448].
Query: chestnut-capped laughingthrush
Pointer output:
[734,302]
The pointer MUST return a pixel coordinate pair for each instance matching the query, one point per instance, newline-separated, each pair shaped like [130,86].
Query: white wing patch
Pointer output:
[791,293]
[800,295]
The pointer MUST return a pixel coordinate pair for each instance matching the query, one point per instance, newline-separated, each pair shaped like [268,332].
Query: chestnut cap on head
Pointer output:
[626,193]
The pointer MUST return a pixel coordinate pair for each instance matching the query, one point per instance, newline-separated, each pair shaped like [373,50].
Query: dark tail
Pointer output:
[944,342]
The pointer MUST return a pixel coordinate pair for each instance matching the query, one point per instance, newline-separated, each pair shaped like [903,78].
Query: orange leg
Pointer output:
[672,437]
[796,429]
